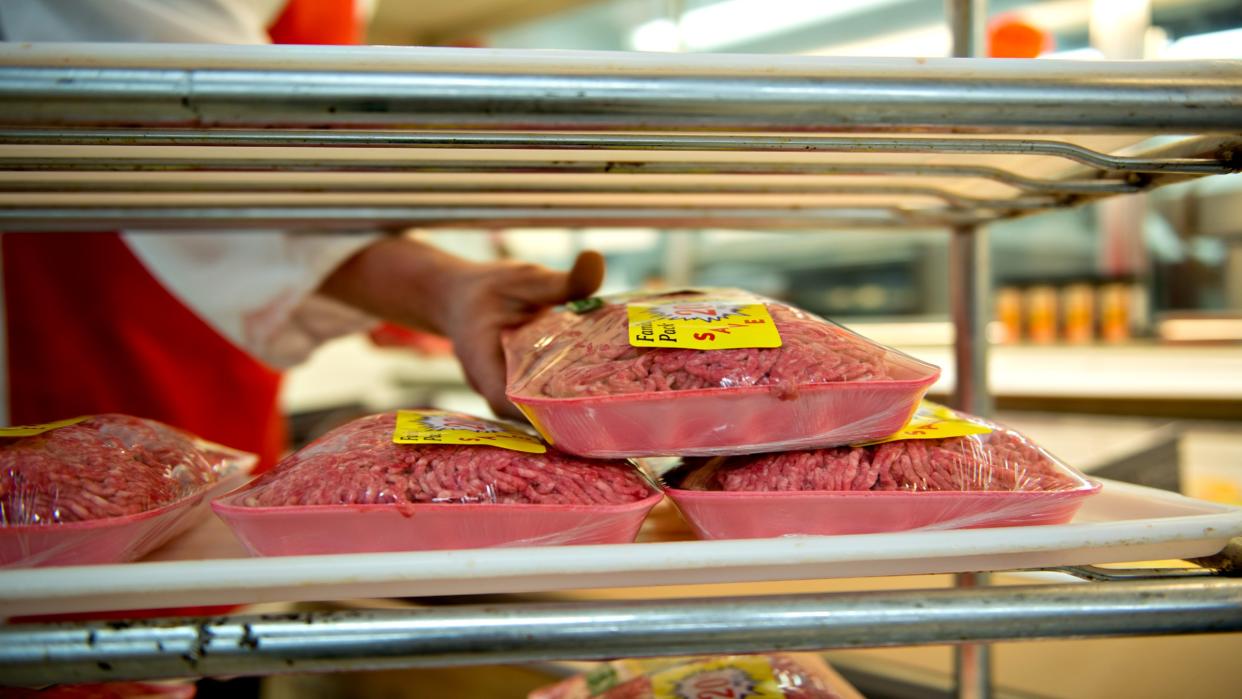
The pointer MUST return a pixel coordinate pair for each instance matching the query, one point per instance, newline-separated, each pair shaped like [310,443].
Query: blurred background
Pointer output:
[1116,330]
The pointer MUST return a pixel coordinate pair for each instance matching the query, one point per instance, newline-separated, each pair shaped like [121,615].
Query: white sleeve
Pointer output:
[256,287]
[170,21]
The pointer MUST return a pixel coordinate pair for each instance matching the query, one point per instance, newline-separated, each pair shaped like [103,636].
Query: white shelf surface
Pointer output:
[1123,523]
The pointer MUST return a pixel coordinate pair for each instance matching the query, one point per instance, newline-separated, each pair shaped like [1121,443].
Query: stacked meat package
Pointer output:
[432,479]
[104,488]
[788,423]
[785,675]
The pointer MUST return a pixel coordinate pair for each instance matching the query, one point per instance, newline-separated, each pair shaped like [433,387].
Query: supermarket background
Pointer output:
[1117,328]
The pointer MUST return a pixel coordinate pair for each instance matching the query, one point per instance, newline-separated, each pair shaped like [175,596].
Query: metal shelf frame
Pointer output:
[98,137]
[516,633]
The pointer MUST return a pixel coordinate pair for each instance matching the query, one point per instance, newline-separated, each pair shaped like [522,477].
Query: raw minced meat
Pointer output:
[1000,461]
[566,355]
[106,466]
[793,676]
[358,463]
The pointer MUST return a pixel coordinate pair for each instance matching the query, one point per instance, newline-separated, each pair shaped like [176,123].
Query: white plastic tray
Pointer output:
[1123,523]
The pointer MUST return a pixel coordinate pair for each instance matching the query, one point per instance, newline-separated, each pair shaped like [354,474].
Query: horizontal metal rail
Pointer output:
[1133,182]
[165,183]
[89,218]
[1223,162]
[487,634]
[1198,97]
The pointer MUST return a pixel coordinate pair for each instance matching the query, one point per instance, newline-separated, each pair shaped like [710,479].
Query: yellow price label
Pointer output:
[702,324]
[730,677]
[444,427]
[934,421]
[32,430]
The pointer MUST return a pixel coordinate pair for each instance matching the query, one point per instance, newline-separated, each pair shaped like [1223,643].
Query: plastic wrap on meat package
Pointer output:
[430,479]
[788,675]
[704,372]
[943,470]
[105,488]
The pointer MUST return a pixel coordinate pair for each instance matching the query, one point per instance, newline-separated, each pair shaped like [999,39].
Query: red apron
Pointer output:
[90,330]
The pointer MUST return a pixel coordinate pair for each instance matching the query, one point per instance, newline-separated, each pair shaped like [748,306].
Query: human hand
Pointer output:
[485,300]
[417,285]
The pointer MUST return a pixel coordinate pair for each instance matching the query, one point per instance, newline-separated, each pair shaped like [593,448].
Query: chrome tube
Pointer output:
[935,96]
[516,633]
[660,142]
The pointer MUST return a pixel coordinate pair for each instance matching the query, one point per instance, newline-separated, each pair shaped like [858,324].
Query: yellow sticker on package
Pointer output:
[735,677]
[32,430]
[702,324]
[444,427]
[934,421]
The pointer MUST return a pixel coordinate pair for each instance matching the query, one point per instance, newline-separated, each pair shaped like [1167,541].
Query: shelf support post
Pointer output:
[969,280]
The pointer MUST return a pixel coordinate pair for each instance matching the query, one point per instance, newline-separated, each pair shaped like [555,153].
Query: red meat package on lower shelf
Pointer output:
[943,470]
[431,479]
[103,489]
[704,372]
[788,675]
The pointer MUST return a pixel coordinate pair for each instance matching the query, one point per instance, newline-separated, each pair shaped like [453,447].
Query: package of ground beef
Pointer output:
[788,675]
[704,372]
[104,488]
[943,470]
[432,479]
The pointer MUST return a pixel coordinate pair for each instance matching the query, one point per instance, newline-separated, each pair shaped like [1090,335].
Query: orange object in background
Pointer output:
[1040,303]
[1078,312]
[426,344]
[1115,314]
[1009,313]
[1010,36]
[317,22]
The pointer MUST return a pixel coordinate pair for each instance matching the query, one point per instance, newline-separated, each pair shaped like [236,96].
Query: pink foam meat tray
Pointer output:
[746,420]
[332,529]
[752,515]
[107,540]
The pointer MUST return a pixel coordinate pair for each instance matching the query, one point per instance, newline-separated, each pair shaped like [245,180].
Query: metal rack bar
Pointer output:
[151,177]
[483,634]
[894,95]
[284,184]
[662,142]
[970,282]
[113,163]
[81,164]
[89,218]
[970,274]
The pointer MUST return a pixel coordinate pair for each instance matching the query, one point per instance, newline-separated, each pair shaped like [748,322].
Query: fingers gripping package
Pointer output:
[430,479]
[776,676]
[104,489]
[944,470]
[705,372]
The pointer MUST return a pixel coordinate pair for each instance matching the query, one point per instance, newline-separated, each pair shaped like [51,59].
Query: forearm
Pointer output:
[401,280]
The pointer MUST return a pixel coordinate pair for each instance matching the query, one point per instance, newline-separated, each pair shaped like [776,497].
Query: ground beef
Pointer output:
[106,466]
[358,463]
[564,355]
[1002,460]
[800,676]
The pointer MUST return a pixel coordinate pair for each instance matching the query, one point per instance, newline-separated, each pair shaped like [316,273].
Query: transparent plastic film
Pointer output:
[945,470]
[429,479]
[774,676]
[704,372]
[104,488]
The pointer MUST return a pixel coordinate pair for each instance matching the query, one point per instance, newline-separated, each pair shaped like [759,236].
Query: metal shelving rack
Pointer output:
[97,137]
